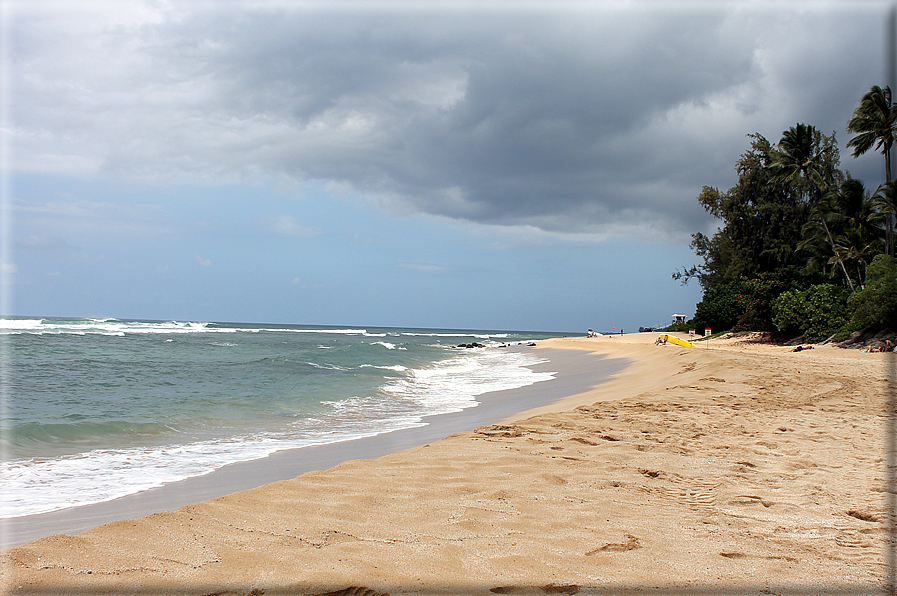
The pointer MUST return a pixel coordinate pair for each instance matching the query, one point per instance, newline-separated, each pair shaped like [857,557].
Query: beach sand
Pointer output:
[732,467]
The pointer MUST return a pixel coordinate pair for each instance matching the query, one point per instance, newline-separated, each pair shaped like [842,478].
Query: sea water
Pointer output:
[95,409]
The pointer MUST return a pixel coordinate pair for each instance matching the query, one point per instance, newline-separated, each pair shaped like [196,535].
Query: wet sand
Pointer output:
[727,468]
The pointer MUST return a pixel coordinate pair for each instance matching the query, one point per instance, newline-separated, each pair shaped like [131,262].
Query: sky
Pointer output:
[476,165]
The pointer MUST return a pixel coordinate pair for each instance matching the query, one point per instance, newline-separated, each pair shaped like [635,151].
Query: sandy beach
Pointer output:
[733,467]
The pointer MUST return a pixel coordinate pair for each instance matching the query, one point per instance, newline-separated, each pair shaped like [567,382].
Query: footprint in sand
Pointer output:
[554,479]
[853,539]
[864,516]
[631,543]
[751,500]
[350,591]
[499,430]
[549,589]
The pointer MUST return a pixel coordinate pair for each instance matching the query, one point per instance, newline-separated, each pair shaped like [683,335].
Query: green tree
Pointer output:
[817,312]
[741,304]
[885,200]
[761,218]
[719,307]
[814,243]
[854,220]
[756,300]
[806,155]
[856,210]
[875,123]
[876,304]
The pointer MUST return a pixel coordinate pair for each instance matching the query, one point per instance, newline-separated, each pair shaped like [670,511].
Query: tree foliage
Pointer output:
[743,304]
[875,123]
[719,308]
[817,312]
[885,201]
[807,155]
[855,222]
[761,221]
[876,303]
[799,246]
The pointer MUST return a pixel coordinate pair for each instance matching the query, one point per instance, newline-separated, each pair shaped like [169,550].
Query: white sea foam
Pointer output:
[454,384]
[326,366]
[107,474]
[111,326]
[101,326]
[37,485]
[387,345]
[115,327]
[19,324]
[477,335]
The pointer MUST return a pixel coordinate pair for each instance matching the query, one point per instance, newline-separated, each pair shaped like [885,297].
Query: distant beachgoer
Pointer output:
[885,347]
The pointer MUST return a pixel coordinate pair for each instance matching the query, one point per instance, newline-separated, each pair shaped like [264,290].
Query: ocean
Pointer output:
[96,409]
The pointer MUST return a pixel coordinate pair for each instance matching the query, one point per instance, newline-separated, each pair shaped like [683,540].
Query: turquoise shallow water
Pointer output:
[98,409]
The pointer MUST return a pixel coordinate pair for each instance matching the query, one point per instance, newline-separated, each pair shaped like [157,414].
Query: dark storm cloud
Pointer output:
[607,119]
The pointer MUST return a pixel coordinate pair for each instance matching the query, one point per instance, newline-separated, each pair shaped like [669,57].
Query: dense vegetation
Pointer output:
[802,247]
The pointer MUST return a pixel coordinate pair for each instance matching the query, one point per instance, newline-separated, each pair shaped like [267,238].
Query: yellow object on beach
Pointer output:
[679,342]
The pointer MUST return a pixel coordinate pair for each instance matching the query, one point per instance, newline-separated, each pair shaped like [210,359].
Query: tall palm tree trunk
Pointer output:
[887,164]
[831,241]
[889,217]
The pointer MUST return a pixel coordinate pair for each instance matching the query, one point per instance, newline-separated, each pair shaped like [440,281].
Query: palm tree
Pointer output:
[858,211]
[885,200]
[803,156]
[875,122]
[814,241]
[857,221]
[852,245]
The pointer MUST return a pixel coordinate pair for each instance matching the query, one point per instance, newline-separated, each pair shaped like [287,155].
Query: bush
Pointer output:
[788,312]
[719,307]
[876,303]
[741,305]
[755,302]
[817,312]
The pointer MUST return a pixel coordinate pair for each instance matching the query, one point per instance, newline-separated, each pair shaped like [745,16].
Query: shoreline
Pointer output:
[728,468]
[572,376]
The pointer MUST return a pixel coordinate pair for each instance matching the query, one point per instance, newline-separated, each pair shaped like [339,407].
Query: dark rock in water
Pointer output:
[532,345]
[473,345]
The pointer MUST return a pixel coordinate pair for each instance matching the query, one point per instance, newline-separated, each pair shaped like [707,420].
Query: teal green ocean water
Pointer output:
[98,409]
